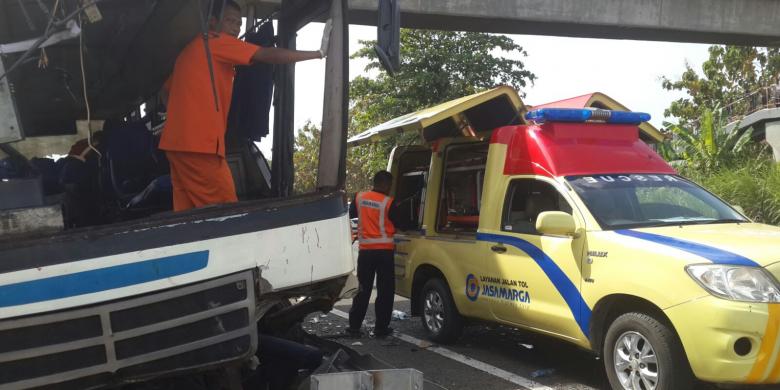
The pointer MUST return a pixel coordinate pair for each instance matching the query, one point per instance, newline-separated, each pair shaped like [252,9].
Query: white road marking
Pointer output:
[479,365]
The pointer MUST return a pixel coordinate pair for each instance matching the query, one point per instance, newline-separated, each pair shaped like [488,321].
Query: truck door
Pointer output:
[535,280]
[409,166]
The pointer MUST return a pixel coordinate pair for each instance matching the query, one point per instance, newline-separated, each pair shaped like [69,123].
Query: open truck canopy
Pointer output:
[483,111]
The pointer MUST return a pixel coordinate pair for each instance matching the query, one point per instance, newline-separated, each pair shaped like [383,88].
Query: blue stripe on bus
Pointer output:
[570,293]
[88,282]
[717,256]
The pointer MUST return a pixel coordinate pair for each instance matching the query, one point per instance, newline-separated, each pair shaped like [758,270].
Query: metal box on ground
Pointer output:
[398,379]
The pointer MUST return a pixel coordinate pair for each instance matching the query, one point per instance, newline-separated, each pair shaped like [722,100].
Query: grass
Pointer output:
[753,184]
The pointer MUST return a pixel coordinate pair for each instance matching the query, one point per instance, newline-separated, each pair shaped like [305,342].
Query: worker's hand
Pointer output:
[326,38]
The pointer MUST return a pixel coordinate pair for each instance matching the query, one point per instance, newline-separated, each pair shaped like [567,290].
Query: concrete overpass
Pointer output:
[760,111]
[766,127]
[748,22]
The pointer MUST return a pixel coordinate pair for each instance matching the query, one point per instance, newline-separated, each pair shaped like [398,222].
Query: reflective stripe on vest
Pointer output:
[373,206]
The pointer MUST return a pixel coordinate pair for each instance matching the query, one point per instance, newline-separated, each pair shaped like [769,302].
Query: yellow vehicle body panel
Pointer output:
[708,328]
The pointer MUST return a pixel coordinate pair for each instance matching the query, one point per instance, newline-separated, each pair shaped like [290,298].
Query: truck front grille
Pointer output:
[178,329]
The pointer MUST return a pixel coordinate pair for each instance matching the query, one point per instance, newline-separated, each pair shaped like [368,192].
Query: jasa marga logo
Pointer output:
[472,287]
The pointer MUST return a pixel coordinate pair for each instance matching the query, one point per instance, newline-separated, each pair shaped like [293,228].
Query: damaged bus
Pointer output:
[101,284]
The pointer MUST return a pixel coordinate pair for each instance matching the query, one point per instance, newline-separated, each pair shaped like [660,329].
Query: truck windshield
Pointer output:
[632,200]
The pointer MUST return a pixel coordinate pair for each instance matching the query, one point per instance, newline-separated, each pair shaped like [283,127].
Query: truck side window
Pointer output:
[461,190]
[525,200]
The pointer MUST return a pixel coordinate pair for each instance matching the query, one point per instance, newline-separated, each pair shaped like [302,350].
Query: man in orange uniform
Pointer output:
[375,212]
[194,134]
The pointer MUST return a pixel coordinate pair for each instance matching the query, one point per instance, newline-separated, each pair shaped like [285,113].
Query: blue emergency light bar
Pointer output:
[579,115]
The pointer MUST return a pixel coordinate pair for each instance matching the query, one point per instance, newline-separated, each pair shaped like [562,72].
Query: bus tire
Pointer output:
[440,317]
[641,352]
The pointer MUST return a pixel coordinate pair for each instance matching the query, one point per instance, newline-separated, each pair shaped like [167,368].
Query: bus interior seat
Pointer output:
[136,177]
[250,169]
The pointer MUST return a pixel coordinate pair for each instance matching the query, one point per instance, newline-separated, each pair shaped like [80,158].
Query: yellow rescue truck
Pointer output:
[564,222]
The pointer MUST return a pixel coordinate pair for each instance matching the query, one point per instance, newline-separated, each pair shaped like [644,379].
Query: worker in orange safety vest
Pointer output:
[376,213]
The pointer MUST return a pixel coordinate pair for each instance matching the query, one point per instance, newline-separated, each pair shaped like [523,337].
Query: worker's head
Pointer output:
[231,18]
[383,182]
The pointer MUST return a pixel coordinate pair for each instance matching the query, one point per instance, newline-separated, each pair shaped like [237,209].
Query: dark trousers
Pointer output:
[280,361]
[370,262]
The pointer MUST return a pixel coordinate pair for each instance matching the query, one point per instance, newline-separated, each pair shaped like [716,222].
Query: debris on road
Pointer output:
[542,373]
[400,315]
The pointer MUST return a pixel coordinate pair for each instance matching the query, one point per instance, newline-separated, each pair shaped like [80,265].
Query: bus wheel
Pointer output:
[642,353]
[440,317]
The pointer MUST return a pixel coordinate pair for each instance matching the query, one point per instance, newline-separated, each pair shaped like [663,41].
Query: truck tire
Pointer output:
[440,317]
[642,353]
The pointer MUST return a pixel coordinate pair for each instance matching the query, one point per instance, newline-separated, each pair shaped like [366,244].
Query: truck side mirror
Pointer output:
[555,223]
[388,34]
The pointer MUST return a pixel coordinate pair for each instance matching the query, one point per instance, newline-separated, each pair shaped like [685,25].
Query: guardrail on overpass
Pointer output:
[749,22]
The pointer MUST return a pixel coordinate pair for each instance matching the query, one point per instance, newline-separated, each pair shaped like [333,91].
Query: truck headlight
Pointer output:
[737,283]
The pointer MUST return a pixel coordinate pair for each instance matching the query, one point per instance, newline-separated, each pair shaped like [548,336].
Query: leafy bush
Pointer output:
[709,147]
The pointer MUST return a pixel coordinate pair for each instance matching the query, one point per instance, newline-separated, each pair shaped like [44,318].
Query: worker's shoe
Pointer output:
[382,333]
[353,333]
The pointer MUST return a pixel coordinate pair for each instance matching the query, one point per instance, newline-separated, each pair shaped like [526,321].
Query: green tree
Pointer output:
[730,73]
[306,157]
[436,66]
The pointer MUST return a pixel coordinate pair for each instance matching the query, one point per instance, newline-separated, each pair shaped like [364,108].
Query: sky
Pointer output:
[628,71]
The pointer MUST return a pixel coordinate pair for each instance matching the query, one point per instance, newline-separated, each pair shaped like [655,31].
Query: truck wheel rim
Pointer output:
[635,362]
[434,311]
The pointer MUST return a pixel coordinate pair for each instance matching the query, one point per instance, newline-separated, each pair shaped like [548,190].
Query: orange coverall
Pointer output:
[194,134]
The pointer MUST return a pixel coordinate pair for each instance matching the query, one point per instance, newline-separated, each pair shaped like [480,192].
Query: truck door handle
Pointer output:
[498,248]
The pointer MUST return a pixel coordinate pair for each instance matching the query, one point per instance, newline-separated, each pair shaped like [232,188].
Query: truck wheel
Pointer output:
[440,317]
[642,353]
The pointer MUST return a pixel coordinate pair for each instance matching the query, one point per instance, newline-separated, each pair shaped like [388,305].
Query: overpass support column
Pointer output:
[773,137]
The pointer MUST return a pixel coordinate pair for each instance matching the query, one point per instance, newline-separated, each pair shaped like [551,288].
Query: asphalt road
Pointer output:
[486,357]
